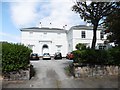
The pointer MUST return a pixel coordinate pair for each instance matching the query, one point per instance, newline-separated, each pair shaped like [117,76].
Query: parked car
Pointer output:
[46,56]
[69,55]
[58,55]
[34,56]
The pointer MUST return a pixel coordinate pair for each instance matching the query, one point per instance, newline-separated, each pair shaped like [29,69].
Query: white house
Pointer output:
[52,40]
[84,34]
[42,40]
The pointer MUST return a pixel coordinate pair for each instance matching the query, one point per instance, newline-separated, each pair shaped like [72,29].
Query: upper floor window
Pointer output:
[59,48]
[83,35]
[30,32]
[101,35]
[30,46]
[45,32]
[58,33]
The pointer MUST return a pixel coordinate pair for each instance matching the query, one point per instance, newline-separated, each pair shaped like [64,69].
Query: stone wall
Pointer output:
[17,75]
[20,74]
[97,70]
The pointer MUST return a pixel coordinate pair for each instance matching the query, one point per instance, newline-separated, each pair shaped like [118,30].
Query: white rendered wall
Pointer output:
[52,39]
[88,40]
[55,38]
[70,40]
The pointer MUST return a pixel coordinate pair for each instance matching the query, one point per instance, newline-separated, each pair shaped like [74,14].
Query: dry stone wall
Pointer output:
[97,70]
[20,74]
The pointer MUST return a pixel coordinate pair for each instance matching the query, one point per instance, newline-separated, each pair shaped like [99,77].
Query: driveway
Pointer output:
[51,74]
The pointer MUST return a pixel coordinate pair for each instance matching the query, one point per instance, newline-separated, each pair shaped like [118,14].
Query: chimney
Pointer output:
[64,27]
[50,25]
[40,26]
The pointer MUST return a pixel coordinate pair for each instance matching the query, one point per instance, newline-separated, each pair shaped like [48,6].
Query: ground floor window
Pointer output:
[59,48]
[101,46]
[30,46]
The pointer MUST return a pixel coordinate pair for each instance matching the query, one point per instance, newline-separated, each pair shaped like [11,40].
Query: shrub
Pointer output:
[78,53]
[102,56]
[76,57]
[90,56]
[80,46]
[14,57]
[95,56]
[114,56]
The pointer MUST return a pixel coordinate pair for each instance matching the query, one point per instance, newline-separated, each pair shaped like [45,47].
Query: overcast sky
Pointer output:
[18,14]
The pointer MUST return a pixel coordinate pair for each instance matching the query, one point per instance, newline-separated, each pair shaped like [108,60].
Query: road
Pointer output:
[51,74]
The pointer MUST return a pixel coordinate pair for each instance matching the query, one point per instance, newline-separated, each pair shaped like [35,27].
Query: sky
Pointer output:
[16,14]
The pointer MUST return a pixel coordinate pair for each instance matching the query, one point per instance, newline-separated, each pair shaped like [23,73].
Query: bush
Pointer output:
[14,57]
[95,56]
[114,56]
[101,57]
[79,52]
[76,57]
[90,56]
[80,46]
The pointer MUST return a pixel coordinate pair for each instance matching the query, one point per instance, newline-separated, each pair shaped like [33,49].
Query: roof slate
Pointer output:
[43,28]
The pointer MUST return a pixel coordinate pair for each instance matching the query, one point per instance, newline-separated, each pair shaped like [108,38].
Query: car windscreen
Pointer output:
[46,54]
[33,54]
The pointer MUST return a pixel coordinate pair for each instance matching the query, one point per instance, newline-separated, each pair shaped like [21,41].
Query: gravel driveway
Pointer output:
[51,74]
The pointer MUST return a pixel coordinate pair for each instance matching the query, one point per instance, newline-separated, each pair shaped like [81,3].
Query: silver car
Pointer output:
[46,56]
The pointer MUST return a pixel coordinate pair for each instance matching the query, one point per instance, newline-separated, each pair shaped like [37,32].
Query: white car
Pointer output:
[46,56]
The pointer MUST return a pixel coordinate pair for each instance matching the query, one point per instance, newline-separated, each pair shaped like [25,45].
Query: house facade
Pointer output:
[51,40]
[42,40]
[84,34]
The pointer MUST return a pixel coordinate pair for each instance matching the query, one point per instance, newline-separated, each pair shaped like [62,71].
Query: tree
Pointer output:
[93,13]
[112,23]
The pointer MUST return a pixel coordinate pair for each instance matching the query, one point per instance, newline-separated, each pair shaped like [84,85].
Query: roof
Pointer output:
[43,29]
[81,27]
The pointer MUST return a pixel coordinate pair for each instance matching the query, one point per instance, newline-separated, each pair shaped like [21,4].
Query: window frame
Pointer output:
[83,34]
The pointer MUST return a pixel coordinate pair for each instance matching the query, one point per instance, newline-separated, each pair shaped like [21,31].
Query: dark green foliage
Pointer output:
[114,56]
[14,57]
[80,46]
[93,13]
[91,56]
[98,57]
[76,57]
[112,23]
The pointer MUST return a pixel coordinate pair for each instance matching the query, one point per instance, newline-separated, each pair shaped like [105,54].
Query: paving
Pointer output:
[51,74]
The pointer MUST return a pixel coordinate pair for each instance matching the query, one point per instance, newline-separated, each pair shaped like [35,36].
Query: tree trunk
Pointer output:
[94,35]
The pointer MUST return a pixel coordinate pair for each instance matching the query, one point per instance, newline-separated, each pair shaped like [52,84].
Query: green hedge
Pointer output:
[80,46]
[101,57]
[114,56]
[77,56]
[90,56]
[14,57]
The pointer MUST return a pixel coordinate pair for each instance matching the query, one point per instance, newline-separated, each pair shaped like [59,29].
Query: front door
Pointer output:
[45,49]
